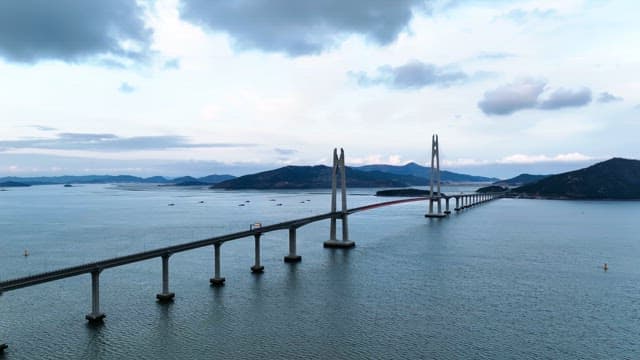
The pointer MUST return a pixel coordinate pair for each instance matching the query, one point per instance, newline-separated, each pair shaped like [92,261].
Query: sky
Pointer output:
[198,87]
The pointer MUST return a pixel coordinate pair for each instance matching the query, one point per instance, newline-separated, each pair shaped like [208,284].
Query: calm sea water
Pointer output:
[508,279]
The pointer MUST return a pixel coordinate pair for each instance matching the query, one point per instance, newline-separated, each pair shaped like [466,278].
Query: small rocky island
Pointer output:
[411,192]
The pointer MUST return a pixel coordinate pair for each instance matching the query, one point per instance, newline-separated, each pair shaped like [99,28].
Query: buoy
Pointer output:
[26,253]
[605,267]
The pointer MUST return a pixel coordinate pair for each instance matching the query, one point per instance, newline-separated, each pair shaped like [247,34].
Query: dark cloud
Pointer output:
[413,75]
[72,30]
[562,98]
[528,94]
[299,27]
[126,88]
[510,98]
[285,151]
[109,142]
[605,97]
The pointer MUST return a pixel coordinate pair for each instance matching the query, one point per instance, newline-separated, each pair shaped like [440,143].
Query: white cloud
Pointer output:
[377,159]
[531,159]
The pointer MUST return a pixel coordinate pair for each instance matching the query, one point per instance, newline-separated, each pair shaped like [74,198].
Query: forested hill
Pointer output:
[616,178]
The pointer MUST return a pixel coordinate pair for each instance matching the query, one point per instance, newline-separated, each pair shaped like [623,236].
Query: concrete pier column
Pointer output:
[292,257]
[457,208]
[217,280]
[257,268]
[165,296]
[95,316]
[446,207]
[345,243]
[345,227]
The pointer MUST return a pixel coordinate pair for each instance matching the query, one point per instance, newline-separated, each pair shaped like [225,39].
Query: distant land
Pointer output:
[411,192]
[115,179]
[289,177]
[616,179]
[424,172]
[520,180]
[4,184]
[492,189]
[315,177]
[319,177]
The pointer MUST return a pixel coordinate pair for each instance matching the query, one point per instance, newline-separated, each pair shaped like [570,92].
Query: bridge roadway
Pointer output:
[169,250]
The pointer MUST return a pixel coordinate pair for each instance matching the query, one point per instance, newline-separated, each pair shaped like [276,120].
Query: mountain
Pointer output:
[117,179]
[315,177]
[616,178]
[492,189]
[424,172]
[187,181]
[4,184]
[83,179]
[520,180]
[214,179]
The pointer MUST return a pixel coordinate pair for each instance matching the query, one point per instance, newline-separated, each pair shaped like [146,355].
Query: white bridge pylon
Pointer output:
[339,168]
[434,177]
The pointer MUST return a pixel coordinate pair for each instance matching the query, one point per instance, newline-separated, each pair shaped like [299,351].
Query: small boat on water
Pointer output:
[68,185]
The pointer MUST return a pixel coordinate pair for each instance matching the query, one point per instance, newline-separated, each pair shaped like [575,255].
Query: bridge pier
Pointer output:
[434,177]
[292,257]
[257,268]
[165,296]
[216,280]
[333,242]
[446,209]
[457,208]
[95,317]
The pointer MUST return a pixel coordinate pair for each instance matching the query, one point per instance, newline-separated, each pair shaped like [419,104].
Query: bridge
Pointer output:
[462,201]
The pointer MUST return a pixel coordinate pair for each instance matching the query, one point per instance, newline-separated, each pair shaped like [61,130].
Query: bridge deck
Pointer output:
[35,279]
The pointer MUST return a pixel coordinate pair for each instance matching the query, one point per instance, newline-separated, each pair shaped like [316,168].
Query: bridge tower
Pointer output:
[338,167]
[434,177]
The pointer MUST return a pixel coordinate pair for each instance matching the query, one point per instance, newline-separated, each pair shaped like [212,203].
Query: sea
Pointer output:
[508,279]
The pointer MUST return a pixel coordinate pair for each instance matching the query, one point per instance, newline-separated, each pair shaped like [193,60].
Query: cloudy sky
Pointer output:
[195,87]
